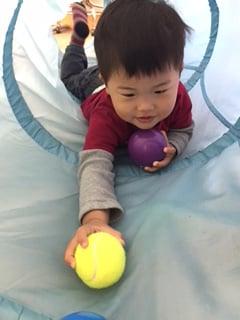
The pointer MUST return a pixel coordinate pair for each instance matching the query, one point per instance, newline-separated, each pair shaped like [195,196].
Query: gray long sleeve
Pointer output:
[179,138]
[96,183]
[96,176]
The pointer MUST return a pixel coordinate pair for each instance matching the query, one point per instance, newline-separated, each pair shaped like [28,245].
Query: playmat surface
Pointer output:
[181,225]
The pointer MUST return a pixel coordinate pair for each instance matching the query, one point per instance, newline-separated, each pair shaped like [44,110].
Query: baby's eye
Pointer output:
[160,91]
[128,95]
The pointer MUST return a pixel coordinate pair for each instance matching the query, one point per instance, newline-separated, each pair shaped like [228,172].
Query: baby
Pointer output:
[139,46]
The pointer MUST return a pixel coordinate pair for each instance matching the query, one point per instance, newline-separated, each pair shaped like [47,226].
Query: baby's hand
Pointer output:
[170,152]
[80,238]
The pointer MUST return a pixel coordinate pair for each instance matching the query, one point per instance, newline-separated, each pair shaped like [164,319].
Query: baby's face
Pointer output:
[144,100]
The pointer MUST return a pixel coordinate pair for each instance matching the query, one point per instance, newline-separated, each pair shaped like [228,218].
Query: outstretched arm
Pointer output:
[98,203]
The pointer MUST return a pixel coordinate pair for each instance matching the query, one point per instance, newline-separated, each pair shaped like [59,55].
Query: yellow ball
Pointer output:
[102,263]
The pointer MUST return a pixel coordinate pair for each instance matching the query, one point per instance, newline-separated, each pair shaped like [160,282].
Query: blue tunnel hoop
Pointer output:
[49,143]
[19,107]
[199,70]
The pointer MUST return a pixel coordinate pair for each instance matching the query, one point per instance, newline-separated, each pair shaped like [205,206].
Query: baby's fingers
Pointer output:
[170,150]
[151,169]
[114,233]
[69,253]
[79,238]
[159,164]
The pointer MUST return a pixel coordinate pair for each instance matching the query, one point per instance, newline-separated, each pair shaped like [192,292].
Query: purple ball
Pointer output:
[146,146]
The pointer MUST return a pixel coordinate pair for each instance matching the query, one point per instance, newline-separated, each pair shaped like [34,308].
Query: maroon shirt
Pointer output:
[107,131]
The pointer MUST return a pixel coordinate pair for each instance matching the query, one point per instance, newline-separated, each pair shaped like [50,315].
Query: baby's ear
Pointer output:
[107,90]
[100,77]
[181,68]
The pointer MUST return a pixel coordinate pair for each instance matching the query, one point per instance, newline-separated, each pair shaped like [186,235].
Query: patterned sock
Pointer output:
[80,27]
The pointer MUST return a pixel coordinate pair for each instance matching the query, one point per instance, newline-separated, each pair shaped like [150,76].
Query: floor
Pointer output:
[62,29]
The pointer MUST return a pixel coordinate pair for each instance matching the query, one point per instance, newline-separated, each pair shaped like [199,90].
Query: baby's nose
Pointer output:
[145,104]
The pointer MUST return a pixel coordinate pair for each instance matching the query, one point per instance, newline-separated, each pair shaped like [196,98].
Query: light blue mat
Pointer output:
[181,225]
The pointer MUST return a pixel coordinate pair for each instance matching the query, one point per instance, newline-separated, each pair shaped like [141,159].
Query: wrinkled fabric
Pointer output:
[181,225]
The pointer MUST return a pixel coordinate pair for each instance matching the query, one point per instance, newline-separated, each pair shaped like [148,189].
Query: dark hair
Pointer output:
[141,36]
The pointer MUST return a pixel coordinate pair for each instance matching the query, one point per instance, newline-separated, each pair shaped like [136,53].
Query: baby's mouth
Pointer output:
[145,119]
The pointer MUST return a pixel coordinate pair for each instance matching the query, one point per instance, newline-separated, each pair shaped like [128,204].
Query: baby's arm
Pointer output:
[177,141]
[96,181]
[98,203]
[179,138]
[180,132]
[93,221]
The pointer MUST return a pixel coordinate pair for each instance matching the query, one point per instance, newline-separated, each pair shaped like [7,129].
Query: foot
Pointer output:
[80,26]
